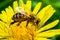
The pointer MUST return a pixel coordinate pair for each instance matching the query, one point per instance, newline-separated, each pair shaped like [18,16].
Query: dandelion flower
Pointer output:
[10,31]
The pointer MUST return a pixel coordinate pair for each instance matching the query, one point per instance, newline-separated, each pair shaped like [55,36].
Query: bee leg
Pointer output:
[18,24]
[13,22]
[37,21]
[27,23]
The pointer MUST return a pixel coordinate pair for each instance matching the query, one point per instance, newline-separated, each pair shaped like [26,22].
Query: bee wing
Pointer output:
[19,9]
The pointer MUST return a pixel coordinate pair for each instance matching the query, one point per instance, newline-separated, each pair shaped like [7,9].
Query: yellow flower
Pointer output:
[31,32]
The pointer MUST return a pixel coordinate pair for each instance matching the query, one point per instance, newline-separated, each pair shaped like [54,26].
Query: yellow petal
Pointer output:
[9,14]
[45,14]
[28,5]
[11,11]
[39,38]
[3,16]
[3,29]
[15,5]
[28,12]
[43,11]
[21,4]
[37,7]
[6,16]
[48,26]
[49,33]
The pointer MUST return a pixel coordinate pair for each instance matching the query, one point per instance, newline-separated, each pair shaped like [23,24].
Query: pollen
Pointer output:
[22,32]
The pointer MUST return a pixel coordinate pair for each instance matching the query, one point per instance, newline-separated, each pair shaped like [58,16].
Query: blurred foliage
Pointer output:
[5,3]
[54,3]
[56,37]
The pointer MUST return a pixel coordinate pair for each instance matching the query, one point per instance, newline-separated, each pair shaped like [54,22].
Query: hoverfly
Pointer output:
[22,16]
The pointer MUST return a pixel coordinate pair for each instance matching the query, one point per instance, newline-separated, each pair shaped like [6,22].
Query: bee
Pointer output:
[22,16]
[19,16]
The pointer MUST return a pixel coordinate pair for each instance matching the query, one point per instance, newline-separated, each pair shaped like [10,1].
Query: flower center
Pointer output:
[21,32]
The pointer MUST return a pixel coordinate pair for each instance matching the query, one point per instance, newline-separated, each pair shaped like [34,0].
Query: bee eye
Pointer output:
[33,17]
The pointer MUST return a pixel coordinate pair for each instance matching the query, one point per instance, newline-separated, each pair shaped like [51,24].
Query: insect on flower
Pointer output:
[22,16]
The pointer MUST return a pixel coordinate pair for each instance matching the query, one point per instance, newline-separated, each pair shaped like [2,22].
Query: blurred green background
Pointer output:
[54,3]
